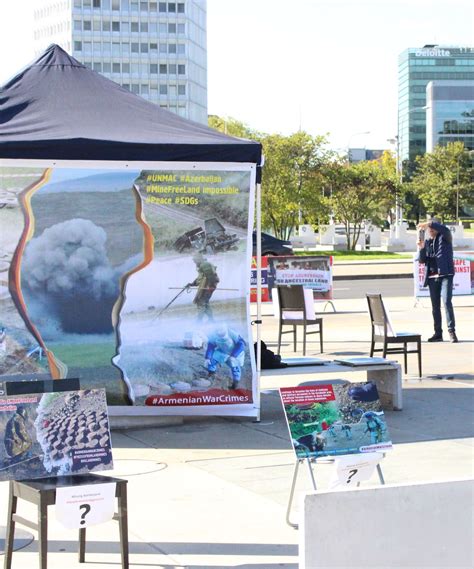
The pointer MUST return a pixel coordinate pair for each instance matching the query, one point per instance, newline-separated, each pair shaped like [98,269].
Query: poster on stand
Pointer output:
[132,277]
[253,281]
[54,434]
[335,419]
[463,282]
[313,272]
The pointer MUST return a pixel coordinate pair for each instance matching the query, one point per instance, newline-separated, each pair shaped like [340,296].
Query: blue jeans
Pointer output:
[442,288]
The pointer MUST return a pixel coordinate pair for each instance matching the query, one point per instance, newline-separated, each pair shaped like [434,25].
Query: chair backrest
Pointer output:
[379,316]
[291,297]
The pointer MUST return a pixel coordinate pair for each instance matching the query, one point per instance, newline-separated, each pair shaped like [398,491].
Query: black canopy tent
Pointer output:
[59,109]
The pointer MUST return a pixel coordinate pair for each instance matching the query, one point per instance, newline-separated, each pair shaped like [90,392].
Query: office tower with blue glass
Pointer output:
[418,67]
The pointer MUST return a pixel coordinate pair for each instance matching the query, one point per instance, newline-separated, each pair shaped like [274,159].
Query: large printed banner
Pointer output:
[54,434]
[313,272]
[132,278]
[463,282]
[335,419]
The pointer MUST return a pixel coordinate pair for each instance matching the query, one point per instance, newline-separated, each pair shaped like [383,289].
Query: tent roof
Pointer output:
[59,109]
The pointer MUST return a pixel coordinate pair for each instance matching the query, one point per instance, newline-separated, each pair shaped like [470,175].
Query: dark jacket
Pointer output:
[437,253]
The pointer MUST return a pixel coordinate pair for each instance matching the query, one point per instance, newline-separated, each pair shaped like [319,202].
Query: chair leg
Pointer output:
[43,533]
[123,527]
[294,337]
[304,340]
[372,347]
[321,336]
[384,353]
[405,356]
[12,502]
[279,336]
[419,358]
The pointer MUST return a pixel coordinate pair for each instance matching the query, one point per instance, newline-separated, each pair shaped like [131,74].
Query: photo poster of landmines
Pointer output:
[135,279]
[54,434]
[313,272]
[335,419]
[463,282]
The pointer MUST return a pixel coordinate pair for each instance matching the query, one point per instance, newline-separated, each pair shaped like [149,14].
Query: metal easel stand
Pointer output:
[309,462]
[332,305]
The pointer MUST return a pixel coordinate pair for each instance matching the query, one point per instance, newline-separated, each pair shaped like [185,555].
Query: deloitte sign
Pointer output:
[432,52]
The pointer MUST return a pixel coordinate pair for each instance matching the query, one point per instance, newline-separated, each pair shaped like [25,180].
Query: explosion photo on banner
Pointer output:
[129,279]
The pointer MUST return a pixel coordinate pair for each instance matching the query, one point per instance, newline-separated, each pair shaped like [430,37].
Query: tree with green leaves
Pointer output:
[361,192]
[232,127]
[443,180]
[290,183]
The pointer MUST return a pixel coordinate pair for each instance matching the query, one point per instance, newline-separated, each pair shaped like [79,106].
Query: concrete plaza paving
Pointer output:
[212,492]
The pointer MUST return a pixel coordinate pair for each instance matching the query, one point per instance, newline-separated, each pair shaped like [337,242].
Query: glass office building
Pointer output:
[417,67]
[449,113]
[155,49]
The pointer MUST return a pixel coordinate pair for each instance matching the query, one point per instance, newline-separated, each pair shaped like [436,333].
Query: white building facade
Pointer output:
[157,50]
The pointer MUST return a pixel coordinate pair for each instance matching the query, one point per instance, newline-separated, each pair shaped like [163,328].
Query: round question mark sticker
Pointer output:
[86,509]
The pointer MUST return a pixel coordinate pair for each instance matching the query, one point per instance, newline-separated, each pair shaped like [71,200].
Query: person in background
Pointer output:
[435,250]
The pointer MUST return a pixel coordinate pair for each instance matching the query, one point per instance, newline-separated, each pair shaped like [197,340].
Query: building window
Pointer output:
[115,67]
[181,69]
[181,89]
[77,25]
[171,7]
[153,48]
[153,68]
[143,6]
[144,48]
[134,27]
[96,3]
[86,3]
[163,69]
[135,68]
[163,89]
[126,86]
[125,27]
[115,26]
[87,25]
[115,48]
[172,69]
[145,89]
[181,29]
[144,27]
[88,46]
[96,25]
[172,48]
[162,7]
[106,26]
[153,6]
[153,28]
[135,88]
[171,28]
[77,3]
[180,8]
[134,6]
[125,67]
[135,47]
[125,48]
[125,5]
[116,5]
[181,48]
[77,46]
[106,67]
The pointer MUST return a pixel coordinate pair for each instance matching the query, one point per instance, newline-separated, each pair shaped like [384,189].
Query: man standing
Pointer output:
[436,252]
[206,281]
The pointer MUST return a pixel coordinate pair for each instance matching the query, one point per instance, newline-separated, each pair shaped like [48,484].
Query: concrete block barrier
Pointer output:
[426,525]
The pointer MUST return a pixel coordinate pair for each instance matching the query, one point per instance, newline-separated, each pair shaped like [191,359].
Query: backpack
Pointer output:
[269,360]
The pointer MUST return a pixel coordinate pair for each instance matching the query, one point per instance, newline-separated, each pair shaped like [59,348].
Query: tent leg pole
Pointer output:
[258,211]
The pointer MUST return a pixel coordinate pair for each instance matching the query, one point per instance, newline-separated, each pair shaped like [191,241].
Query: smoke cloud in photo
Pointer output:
[67,271]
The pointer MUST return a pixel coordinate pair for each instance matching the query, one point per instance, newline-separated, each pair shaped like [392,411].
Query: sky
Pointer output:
[325,66]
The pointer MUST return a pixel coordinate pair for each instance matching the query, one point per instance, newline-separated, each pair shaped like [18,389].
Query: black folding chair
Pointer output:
[382,332]
[293,312]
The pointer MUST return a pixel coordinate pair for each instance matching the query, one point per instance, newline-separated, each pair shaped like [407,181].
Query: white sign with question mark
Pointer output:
[87,505]
[353,468]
